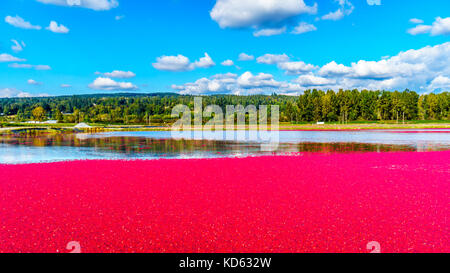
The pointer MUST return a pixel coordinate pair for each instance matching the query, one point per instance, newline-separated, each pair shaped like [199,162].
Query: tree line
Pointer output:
[312,106]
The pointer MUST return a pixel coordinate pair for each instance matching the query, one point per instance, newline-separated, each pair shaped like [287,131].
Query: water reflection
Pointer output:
[149,145]
[132,145]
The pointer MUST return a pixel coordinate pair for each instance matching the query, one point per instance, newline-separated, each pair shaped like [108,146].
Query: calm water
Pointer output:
[151,145]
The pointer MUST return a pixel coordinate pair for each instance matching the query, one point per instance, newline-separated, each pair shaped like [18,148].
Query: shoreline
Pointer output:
[275,155]
[282,127]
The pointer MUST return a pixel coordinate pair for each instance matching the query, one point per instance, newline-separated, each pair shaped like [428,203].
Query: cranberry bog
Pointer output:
[309,202]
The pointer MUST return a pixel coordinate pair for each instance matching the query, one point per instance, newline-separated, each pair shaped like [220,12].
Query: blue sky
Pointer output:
[312,44]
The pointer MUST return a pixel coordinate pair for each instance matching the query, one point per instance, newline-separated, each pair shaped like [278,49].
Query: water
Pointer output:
[161,144]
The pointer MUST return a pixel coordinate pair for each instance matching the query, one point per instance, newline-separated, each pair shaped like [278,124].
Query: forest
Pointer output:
[312,106]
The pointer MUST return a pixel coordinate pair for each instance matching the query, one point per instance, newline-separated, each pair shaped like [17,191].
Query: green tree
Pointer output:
[38,113]
[59,116]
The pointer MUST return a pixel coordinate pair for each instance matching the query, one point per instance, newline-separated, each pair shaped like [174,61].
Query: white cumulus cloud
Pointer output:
[294,68]
[257,13]
[441,26]
[304,27]
[440,82]
[415,69]
[16,93]
[54,27]
[181,63]
[30,66]
[227,63]
[108,84]
[374,2]
[336,15]
[204,62]
[16,65]
[423,70]
[172,63]
[416,21]
[346,8]
[118,74]
[33,82]
[311,80]
[19,22]
[4,58]
[420,29]
[248,80]
[269,31]
[89,4]
[246,57]
[220,83]
[42,67]
[273,58]
[229,83]
[17,47]
[13,93]
[333,69]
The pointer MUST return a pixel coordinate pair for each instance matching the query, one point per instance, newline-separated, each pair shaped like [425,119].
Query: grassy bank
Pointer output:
[368,125]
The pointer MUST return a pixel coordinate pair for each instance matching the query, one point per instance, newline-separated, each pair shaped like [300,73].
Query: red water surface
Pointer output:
[304,203]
